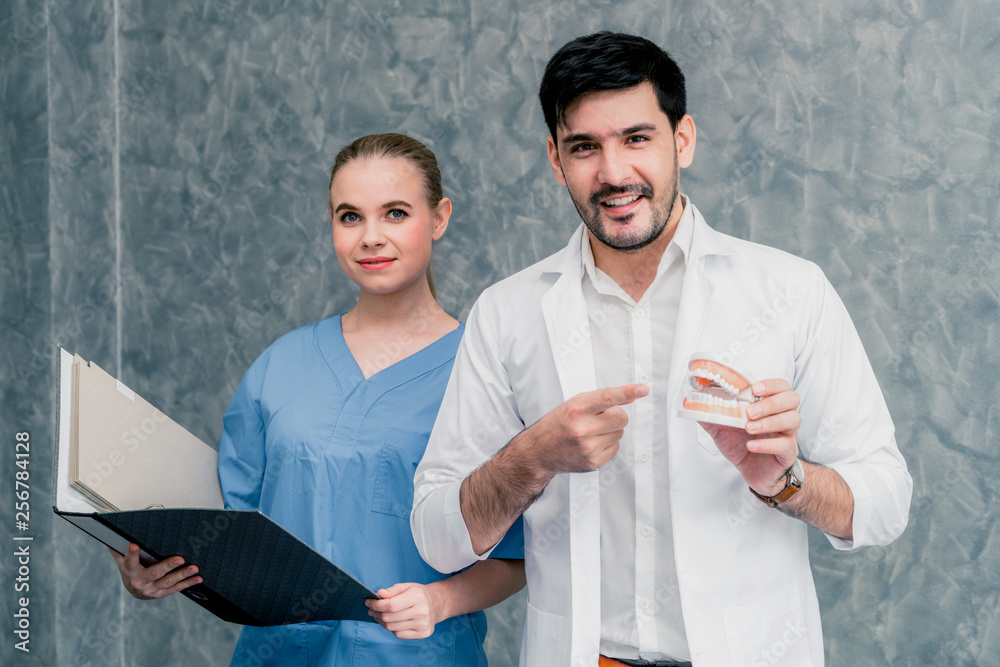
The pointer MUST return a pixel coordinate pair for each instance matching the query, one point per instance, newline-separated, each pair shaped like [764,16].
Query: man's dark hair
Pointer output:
[610,61]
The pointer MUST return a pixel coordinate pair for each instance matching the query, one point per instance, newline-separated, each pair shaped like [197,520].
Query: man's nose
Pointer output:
[615,168]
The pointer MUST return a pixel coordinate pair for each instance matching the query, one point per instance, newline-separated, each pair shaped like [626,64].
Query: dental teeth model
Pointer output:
[719,395]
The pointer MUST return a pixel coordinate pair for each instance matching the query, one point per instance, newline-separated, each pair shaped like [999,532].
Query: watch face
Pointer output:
[798,472]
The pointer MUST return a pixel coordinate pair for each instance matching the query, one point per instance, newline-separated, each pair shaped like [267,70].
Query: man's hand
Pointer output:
[767,447]
[579,435]
[156,581]
[583,433]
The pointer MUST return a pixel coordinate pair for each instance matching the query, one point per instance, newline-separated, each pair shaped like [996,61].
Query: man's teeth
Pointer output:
[621,201]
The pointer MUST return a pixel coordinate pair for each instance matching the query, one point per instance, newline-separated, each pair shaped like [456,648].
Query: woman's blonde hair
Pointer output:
[392,144]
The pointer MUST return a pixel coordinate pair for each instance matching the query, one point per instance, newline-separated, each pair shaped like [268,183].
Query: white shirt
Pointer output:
[640,606]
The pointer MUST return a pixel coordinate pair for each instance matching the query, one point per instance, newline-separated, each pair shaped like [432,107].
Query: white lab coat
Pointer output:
[746,588]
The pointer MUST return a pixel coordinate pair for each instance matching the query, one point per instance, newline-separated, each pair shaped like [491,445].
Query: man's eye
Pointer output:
[637,138]
[580,148]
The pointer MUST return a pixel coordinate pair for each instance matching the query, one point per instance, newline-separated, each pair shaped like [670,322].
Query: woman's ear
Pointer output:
[442,213]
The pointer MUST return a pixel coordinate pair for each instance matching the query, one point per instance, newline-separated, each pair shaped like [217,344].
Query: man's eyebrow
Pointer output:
[641,127]
[577,137]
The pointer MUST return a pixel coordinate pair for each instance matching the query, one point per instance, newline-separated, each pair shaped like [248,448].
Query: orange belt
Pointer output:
[604,661]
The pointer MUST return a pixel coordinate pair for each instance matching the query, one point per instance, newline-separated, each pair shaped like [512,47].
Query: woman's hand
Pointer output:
[408,610]
[156,581]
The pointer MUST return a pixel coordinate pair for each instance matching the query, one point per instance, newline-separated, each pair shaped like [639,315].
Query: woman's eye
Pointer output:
[397,214]
[350,217]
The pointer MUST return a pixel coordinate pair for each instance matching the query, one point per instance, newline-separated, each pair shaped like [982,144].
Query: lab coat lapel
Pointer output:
[696,302]
[568,328]
[699,299]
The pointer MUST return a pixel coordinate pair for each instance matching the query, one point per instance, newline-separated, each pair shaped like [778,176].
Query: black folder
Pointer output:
[254,572]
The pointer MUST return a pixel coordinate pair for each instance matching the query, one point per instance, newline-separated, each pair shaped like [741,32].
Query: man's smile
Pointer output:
[619,201]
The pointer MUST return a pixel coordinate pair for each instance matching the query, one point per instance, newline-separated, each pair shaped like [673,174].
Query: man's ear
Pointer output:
[685,137]
[554,161]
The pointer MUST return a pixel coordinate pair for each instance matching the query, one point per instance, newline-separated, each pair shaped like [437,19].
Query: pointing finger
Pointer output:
[609,397]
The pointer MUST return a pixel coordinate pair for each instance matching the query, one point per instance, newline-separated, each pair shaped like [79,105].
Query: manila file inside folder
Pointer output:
[127,455]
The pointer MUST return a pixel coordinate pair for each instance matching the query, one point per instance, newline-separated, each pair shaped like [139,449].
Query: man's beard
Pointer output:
[634,240]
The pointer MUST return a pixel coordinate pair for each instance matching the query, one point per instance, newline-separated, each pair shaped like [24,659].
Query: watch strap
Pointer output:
[792,486]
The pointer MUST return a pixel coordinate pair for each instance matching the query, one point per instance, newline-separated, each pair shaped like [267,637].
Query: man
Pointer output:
[644,541]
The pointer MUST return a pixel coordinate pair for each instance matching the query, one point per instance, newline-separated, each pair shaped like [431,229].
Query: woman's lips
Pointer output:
[376,263]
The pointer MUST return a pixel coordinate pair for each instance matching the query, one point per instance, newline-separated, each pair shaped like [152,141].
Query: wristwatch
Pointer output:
[794,477]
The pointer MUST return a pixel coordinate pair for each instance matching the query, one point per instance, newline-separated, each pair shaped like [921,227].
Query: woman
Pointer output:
[326,429]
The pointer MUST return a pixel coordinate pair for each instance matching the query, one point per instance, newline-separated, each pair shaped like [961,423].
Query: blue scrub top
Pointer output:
[331,456]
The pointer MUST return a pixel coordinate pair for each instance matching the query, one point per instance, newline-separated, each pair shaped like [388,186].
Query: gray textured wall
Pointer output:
[162,193]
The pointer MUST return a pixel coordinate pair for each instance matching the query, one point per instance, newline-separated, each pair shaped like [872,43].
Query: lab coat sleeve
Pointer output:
[478,417]
[845,421]
[241,448]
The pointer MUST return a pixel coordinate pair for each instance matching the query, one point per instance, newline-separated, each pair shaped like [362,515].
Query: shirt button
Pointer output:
[643,458]
[639,313]
[644,604]
[642,377]
[645,531]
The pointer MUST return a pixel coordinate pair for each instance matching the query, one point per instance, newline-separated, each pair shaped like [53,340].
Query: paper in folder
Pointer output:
[125,472]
